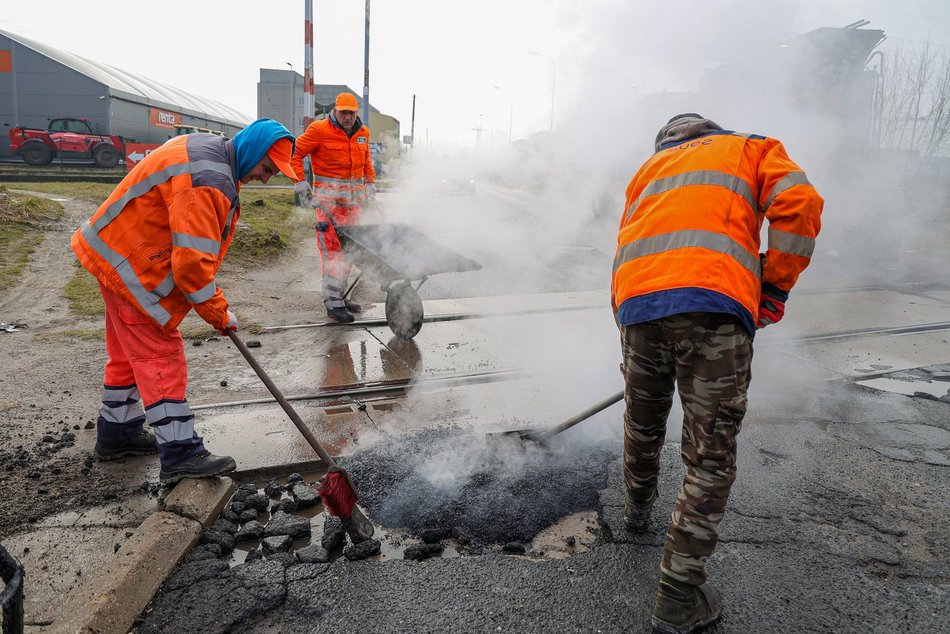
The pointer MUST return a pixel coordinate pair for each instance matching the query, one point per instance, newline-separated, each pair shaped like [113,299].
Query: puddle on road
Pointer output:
[908,388]
[929,382]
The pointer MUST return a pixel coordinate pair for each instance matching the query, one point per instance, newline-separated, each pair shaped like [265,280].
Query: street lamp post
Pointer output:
[553,80]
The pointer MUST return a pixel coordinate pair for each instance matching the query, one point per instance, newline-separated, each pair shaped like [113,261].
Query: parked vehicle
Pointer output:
[191,129]
[66,138]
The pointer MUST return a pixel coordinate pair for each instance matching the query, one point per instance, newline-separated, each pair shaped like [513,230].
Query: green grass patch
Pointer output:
[90,192]
[267,228]
[86,333]
[22,219]
[82,291]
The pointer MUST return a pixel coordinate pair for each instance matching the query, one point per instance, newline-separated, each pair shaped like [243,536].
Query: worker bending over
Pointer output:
[689,290]
[155,245]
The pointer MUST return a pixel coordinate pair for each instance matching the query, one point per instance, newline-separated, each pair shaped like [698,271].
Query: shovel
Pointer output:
[543,436]
[336,489]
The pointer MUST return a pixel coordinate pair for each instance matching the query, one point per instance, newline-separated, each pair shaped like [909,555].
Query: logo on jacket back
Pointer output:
[361,139]
[689,144]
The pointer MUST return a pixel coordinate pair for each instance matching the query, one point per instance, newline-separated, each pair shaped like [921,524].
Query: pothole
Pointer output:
[442,493]
[931,382]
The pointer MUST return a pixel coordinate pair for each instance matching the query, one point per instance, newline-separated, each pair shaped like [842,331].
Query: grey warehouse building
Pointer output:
[39,82]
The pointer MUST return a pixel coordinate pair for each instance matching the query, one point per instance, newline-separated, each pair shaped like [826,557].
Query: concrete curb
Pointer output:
[111,601]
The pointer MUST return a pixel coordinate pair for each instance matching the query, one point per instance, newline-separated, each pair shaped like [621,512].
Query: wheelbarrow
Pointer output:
[396,255]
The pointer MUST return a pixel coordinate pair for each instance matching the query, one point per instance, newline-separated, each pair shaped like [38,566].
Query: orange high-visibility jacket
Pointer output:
[159,239]
[689,237]
[341,163]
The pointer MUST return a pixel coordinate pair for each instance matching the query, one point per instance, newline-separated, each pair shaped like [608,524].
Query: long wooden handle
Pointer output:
[330,462]
[587,413]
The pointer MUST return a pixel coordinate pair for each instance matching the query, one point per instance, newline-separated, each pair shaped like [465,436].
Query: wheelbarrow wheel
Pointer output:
[403,310]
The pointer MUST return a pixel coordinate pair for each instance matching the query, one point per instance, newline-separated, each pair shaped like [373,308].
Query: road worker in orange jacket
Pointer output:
[343,179]
[689,290]
[155,246]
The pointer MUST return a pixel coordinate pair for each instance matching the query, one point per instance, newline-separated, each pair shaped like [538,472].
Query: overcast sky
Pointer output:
[486,64]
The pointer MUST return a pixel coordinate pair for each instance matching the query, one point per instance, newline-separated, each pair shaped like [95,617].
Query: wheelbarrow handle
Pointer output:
[311,439]
[587,413]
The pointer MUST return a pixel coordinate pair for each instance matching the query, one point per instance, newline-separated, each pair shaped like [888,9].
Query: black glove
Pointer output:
[322,227]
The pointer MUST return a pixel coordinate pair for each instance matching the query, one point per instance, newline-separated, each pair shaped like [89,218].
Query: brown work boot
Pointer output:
[636,511]
[681,608]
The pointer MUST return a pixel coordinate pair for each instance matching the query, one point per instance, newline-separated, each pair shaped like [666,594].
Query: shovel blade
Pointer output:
[523,436]
[358,526]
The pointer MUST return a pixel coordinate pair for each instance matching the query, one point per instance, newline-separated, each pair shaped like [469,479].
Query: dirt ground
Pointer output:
[51,375]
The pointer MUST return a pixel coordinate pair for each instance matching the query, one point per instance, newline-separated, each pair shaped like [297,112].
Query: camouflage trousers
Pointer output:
[708,357]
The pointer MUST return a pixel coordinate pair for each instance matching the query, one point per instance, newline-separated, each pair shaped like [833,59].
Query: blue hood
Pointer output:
[252,143]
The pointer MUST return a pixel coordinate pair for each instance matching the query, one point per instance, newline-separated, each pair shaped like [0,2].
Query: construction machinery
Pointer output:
[66,138]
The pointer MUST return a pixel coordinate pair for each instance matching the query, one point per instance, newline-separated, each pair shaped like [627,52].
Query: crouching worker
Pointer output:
[155,246]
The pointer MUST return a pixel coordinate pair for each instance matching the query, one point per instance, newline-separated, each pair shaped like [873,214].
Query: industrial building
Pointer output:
[39,82]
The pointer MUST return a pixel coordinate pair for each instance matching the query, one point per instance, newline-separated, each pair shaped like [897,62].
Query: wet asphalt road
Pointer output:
[826,531]
[839,520]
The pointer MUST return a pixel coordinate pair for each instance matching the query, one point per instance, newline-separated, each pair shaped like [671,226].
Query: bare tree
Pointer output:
[913,102]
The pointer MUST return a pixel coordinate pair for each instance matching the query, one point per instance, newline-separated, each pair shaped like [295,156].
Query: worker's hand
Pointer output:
[231,326]
[771,306]
[371,191]
[303,188]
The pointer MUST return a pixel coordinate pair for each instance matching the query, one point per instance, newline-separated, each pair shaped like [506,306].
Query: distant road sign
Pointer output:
[135,152]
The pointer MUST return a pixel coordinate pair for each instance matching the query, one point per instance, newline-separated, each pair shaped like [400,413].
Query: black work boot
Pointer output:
[636,513]
[201,465]
[353,307]
[341,315]
[139,445]
[681,608]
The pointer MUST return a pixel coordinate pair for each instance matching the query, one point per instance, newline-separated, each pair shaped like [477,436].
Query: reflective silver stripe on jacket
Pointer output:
[786,182]
[791,243]
[337,181]
[188,241]
[688,238]
[227,222]
[167,409]
[148,301]
[700,177]
[202,294]
[166,287]
[159,177]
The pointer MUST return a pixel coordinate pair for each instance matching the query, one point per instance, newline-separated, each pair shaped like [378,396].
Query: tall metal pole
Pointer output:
[366,70]
[412,129]
[308,76]
[553,80]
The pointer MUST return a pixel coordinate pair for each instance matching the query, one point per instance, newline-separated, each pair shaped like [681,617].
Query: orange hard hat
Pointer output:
[346,101]
[280,153]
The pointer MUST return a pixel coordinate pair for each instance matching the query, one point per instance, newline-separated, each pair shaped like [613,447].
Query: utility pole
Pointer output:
[553,81]
[307,80]
[366,71]
[412,128]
